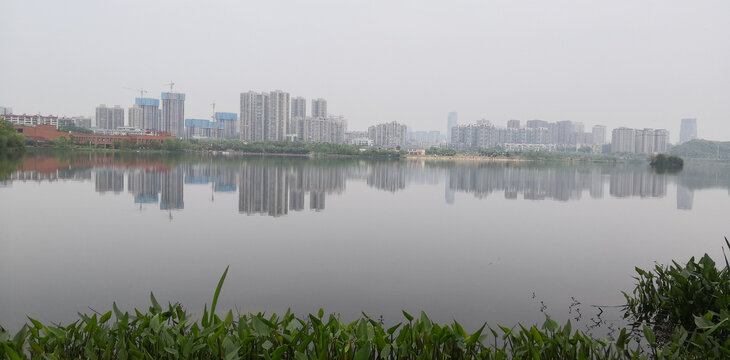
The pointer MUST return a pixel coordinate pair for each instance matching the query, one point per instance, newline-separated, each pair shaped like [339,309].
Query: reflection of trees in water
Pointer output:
[698,175]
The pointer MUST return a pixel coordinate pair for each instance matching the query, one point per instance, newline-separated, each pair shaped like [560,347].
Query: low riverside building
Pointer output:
[31,120]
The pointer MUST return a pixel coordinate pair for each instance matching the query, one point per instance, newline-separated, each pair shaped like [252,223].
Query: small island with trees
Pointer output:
[664,162]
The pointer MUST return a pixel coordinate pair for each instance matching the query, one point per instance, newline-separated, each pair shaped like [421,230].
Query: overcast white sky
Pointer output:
[617,63]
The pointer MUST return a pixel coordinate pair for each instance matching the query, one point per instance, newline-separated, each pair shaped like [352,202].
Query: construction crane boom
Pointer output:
[170,84]
[141,91]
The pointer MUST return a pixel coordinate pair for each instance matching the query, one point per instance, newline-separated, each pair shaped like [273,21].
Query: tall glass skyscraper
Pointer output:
[451,122]
[688,130]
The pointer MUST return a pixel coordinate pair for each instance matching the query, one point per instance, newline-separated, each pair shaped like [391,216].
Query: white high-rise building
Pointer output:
[646,141]
[109,118]
[330,129]
[389,135]
[319,108]
[254,112]
[279,114]
[264,116]
[136,119]
[148,116]
[298,107]
[173,114]
[623,140]
[599,134]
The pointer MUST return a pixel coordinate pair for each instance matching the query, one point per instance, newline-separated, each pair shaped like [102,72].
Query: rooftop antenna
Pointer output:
[170,84]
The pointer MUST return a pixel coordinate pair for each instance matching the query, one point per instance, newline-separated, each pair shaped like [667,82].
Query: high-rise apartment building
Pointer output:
[298,107]
[661,139]
[264,116]
[109,118]
[688,130]
[5,110]
[599,134]
[537,124]
[451,122]
[563,132]
[146,114]
[623,140]
[230,124]
[319,108]
[330,129]
[134,114]
[389,135]
[254,113]
[646,141]
[279,116]
[513,124]
[173,114]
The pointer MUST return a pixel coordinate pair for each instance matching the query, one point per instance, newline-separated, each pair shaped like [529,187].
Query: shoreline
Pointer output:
[464,158]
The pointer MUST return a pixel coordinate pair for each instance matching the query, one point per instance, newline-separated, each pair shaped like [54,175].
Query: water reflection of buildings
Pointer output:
[109,179]
[390,176]
[637,183]
[276,190]
[560,183]
[275,187]
[144,185]
[685,197]
[171,186]
[263,190]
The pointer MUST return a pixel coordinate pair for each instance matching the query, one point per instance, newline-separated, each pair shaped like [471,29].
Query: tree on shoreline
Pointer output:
[10,140]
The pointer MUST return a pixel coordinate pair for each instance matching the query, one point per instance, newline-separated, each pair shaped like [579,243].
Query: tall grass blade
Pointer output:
[217,293]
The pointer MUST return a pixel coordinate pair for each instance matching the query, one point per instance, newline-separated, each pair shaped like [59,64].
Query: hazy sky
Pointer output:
[617,63]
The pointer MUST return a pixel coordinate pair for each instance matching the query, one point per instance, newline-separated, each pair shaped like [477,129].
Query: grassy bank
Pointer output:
[681,311]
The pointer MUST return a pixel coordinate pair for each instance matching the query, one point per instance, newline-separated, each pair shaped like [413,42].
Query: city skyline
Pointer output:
[389,62]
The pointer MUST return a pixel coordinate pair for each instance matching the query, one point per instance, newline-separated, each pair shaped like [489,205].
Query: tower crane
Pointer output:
[141,91]
[170,84]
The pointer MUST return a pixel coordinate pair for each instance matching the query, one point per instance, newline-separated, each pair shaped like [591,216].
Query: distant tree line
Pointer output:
[439,151]
[75,129]
[702,149]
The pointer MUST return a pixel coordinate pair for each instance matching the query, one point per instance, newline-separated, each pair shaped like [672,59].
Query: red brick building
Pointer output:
[40,132]
[108,140]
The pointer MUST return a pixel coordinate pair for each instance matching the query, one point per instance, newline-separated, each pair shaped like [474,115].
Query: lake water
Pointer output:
[475,242]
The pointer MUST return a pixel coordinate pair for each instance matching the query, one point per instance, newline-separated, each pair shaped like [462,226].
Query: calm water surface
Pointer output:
[474,242]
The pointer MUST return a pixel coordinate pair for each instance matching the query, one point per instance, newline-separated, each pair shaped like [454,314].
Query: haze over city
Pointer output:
[618,63]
